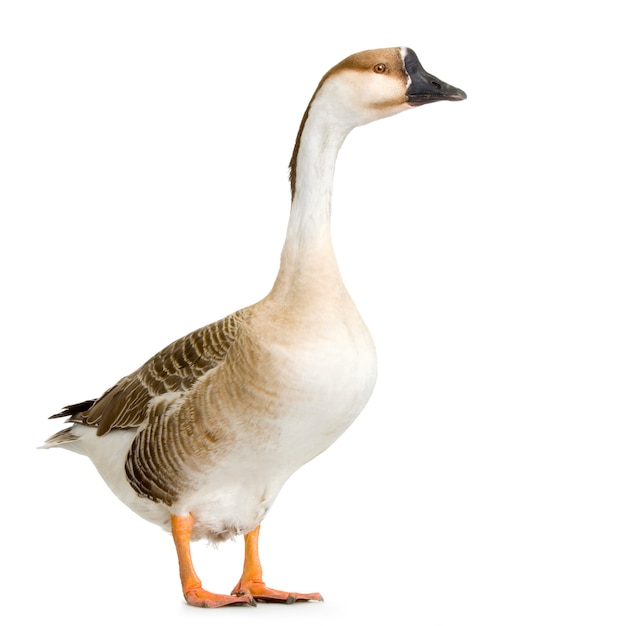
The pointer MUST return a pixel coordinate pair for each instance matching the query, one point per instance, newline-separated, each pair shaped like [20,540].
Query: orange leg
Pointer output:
[192,585]
[251,581]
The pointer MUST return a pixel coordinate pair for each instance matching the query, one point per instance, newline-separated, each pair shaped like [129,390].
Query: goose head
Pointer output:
[365,87]
[373,84]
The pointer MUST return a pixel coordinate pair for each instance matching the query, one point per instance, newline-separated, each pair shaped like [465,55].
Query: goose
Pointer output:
[200,439]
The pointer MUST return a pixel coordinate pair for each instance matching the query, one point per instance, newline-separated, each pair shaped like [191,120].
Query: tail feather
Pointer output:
[67,438]
[73,409]
[64,439]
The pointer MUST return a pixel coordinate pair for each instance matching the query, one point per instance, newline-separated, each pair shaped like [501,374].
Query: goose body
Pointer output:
[201,438]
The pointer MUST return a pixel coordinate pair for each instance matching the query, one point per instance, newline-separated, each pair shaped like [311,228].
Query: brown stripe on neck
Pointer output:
[294,157]
[296,148]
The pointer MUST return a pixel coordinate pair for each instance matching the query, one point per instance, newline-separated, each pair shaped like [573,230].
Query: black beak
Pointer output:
[424,87]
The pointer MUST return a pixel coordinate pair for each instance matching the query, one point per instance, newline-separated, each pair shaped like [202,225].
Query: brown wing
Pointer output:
[174,370]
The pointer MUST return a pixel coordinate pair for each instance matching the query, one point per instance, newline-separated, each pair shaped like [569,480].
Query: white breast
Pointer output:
[328,378]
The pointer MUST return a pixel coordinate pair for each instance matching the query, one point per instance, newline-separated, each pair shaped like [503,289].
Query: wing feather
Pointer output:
[172,371]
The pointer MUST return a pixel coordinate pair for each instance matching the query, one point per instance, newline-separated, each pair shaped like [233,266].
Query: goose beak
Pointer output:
[424,87]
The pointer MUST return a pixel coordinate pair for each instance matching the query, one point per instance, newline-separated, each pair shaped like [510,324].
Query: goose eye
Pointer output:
[381,68]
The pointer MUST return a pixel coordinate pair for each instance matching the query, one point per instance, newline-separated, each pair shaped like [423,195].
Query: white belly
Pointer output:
[230,499]
[325,384]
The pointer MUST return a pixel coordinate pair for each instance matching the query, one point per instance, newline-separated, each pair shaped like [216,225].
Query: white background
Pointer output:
[144,150]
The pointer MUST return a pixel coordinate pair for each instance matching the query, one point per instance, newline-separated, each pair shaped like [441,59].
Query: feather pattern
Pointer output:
[174,370]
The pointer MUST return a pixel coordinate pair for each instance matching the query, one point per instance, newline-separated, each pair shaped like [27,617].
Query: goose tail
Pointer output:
[67,438]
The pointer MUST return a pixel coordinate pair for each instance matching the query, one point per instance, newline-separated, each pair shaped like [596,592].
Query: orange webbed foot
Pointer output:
[200,597]
[251,581]
[260,591]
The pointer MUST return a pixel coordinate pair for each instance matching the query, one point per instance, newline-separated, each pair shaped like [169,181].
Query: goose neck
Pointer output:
[308,257]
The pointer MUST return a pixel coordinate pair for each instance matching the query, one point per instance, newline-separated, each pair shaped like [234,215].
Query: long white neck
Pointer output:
[308,264]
